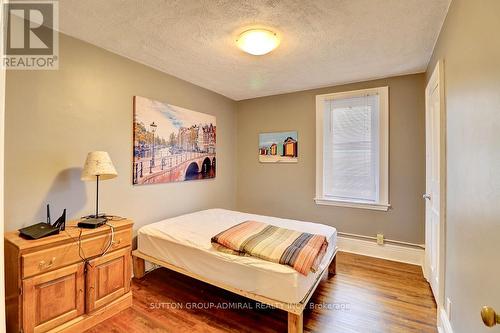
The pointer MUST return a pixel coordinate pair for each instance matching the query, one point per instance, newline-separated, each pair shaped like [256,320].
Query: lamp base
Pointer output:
[92,223]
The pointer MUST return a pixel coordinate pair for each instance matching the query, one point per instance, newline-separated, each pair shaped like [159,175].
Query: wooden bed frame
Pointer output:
[295,310]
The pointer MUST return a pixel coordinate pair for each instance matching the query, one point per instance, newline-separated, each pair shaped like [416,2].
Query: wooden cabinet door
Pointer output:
[53,298]
[108,277]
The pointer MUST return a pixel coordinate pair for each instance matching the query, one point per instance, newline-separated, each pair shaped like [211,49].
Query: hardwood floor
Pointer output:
[366,295]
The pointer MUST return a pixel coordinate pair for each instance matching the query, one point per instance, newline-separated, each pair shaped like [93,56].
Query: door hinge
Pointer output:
[20,290]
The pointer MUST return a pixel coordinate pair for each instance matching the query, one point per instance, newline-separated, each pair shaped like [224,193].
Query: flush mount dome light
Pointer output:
[258,41]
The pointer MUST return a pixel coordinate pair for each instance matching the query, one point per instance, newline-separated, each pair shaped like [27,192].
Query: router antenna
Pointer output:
[48,214]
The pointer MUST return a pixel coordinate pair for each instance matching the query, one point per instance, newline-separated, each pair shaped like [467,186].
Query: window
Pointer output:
[352,149]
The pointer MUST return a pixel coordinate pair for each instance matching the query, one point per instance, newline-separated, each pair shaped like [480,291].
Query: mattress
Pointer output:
[184,241]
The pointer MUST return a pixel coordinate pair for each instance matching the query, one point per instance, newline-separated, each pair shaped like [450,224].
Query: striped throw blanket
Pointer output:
[300,250]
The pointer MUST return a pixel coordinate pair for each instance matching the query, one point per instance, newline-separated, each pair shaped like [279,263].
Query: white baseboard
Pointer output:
[444,325]
[392,252]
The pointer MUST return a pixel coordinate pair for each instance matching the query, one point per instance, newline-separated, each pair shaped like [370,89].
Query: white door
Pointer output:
[432,196]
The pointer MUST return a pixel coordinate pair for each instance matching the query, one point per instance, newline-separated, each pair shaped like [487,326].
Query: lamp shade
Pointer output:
[98,163]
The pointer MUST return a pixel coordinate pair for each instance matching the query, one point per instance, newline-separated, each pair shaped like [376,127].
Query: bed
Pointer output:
[183,244]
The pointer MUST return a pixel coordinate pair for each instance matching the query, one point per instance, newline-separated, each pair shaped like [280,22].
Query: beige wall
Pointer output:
[470,48]
[87,105]
[53,118]
[288,190]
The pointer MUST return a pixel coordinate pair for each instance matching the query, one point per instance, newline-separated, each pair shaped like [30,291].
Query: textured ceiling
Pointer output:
[324,42]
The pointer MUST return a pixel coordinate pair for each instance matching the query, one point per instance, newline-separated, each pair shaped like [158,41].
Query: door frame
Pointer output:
[438,77]
[2,142]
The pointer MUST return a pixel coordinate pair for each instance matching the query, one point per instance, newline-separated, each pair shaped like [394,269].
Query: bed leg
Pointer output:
[139,267]
[332,269]
[295,322]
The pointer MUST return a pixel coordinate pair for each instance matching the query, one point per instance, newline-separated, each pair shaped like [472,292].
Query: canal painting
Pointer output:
[278,147]
[171,143]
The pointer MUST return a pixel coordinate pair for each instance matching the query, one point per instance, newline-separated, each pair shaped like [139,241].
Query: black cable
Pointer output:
[104,216]
[112,228]
[114,218]
[79,241]
[81,252]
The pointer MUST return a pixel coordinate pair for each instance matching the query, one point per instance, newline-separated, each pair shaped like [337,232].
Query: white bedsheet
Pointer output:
[184,241]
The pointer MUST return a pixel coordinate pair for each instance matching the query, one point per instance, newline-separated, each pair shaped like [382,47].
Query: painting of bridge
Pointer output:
[172,143]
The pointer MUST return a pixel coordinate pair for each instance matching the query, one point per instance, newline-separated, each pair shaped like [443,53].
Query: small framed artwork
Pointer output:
[278,147]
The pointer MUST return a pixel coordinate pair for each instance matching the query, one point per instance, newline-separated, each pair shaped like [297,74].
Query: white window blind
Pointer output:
[352,148]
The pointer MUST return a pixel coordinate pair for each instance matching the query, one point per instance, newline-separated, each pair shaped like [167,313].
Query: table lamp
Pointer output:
[98,166]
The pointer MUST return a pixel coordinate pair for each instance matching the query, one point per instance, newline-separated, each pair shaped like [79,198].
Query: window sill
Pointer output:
[352,204]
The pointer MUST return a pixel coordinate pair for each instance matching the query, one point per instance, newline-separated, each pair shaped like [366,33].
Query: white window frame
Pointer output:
[383,201]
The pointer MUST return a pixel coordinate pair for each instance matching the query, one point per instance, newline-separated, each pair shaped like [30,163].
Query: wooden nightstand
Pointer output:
[49,287]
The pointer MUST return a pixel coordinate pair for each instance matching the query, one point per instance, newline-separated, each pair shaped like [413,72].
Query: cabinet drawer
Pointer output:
[63,255]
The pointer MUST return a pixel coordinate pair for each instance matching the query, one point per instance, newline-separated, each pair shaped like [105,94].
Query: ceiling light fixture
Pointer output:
[258,41]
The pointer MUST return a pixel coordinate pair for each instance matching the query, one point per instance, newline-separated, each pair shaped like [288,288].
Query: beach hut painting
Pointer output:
[278,147]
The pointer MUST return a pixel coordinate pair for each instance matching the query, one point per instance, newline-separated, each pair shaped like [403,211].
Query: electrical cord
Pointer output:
[78,240]
[81,252]
[114,217]
[104,216]
[112,239]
